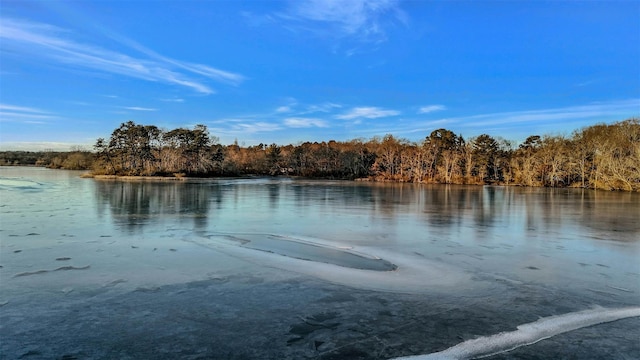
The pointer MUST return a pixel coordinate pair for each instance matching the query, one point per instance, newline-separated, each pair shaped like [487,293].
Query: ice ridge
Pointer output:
[528,334]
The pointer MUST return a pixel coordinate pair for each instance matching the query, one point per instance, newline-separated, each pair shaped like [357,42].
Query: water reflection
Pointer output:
[598,211]
[485,209]
[138,204]
[274,195]
[447,205]
[607,211]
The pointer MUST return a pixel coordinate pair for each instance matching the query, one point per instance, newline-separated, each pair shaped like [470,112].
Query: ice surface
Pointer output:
[311,251]
[414,274]
[454,238]
[9,183]
[62,268]
[528,334]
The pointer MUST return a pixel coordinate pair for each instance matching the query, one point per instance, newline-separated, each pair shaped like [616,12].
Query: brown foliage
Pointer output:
[599,157]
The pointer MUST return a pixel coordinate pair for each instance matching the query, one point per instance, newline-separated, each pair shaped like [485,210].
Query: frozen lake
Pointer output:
[281,268]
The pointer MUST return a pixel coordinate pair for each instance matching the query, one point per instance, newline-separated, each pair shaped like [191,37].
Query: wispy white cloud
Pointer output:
[363,20]
[559,119]
[138,108]
[23,114]
[290,104]
[325,107]
[255,127]
[370,112]
[208,71]
[79,103]
[302,109]
[20,109]
[300,122]
[349,26]
[244,128]
[258,19]
[431,108]
[591,82]
[283,109]
[175,100]
[43,40]
[592,111]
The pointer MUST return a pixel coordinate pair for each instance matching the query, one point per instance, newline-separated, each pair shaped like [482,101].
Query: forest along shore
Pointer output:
[602,156]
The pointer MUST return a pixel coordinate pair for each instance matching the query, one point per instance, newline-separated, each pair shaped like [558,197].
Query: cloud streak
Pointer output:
[369,112]
[304,122]
[23,114]
[138,108]
[8,107]
[283,109]
[600,110]
[50,42]
[256,127]
[567,118]
[325,107]
[431,108]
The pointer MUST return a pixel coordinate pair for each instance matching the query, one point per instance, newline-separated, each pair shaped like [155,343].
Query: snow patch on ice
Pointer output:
[528,334]
[414,274]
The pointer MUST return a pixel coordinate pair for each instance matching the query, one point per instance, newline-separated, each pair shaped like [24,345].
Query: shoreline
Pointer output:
[151,178]
[371,180]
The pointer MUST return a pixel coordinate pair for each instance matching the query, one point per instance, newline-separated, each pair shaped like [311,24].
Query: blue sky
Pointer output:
[294,71]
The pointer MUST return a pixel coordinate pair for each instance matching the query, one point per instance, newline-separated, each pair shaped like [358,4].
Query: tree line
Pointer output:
[76,159]
[602,156]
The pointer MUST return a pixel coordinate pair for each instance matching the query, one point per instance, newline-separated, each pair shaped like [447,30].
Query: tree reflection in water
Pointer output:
[136,204]
[483,210]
